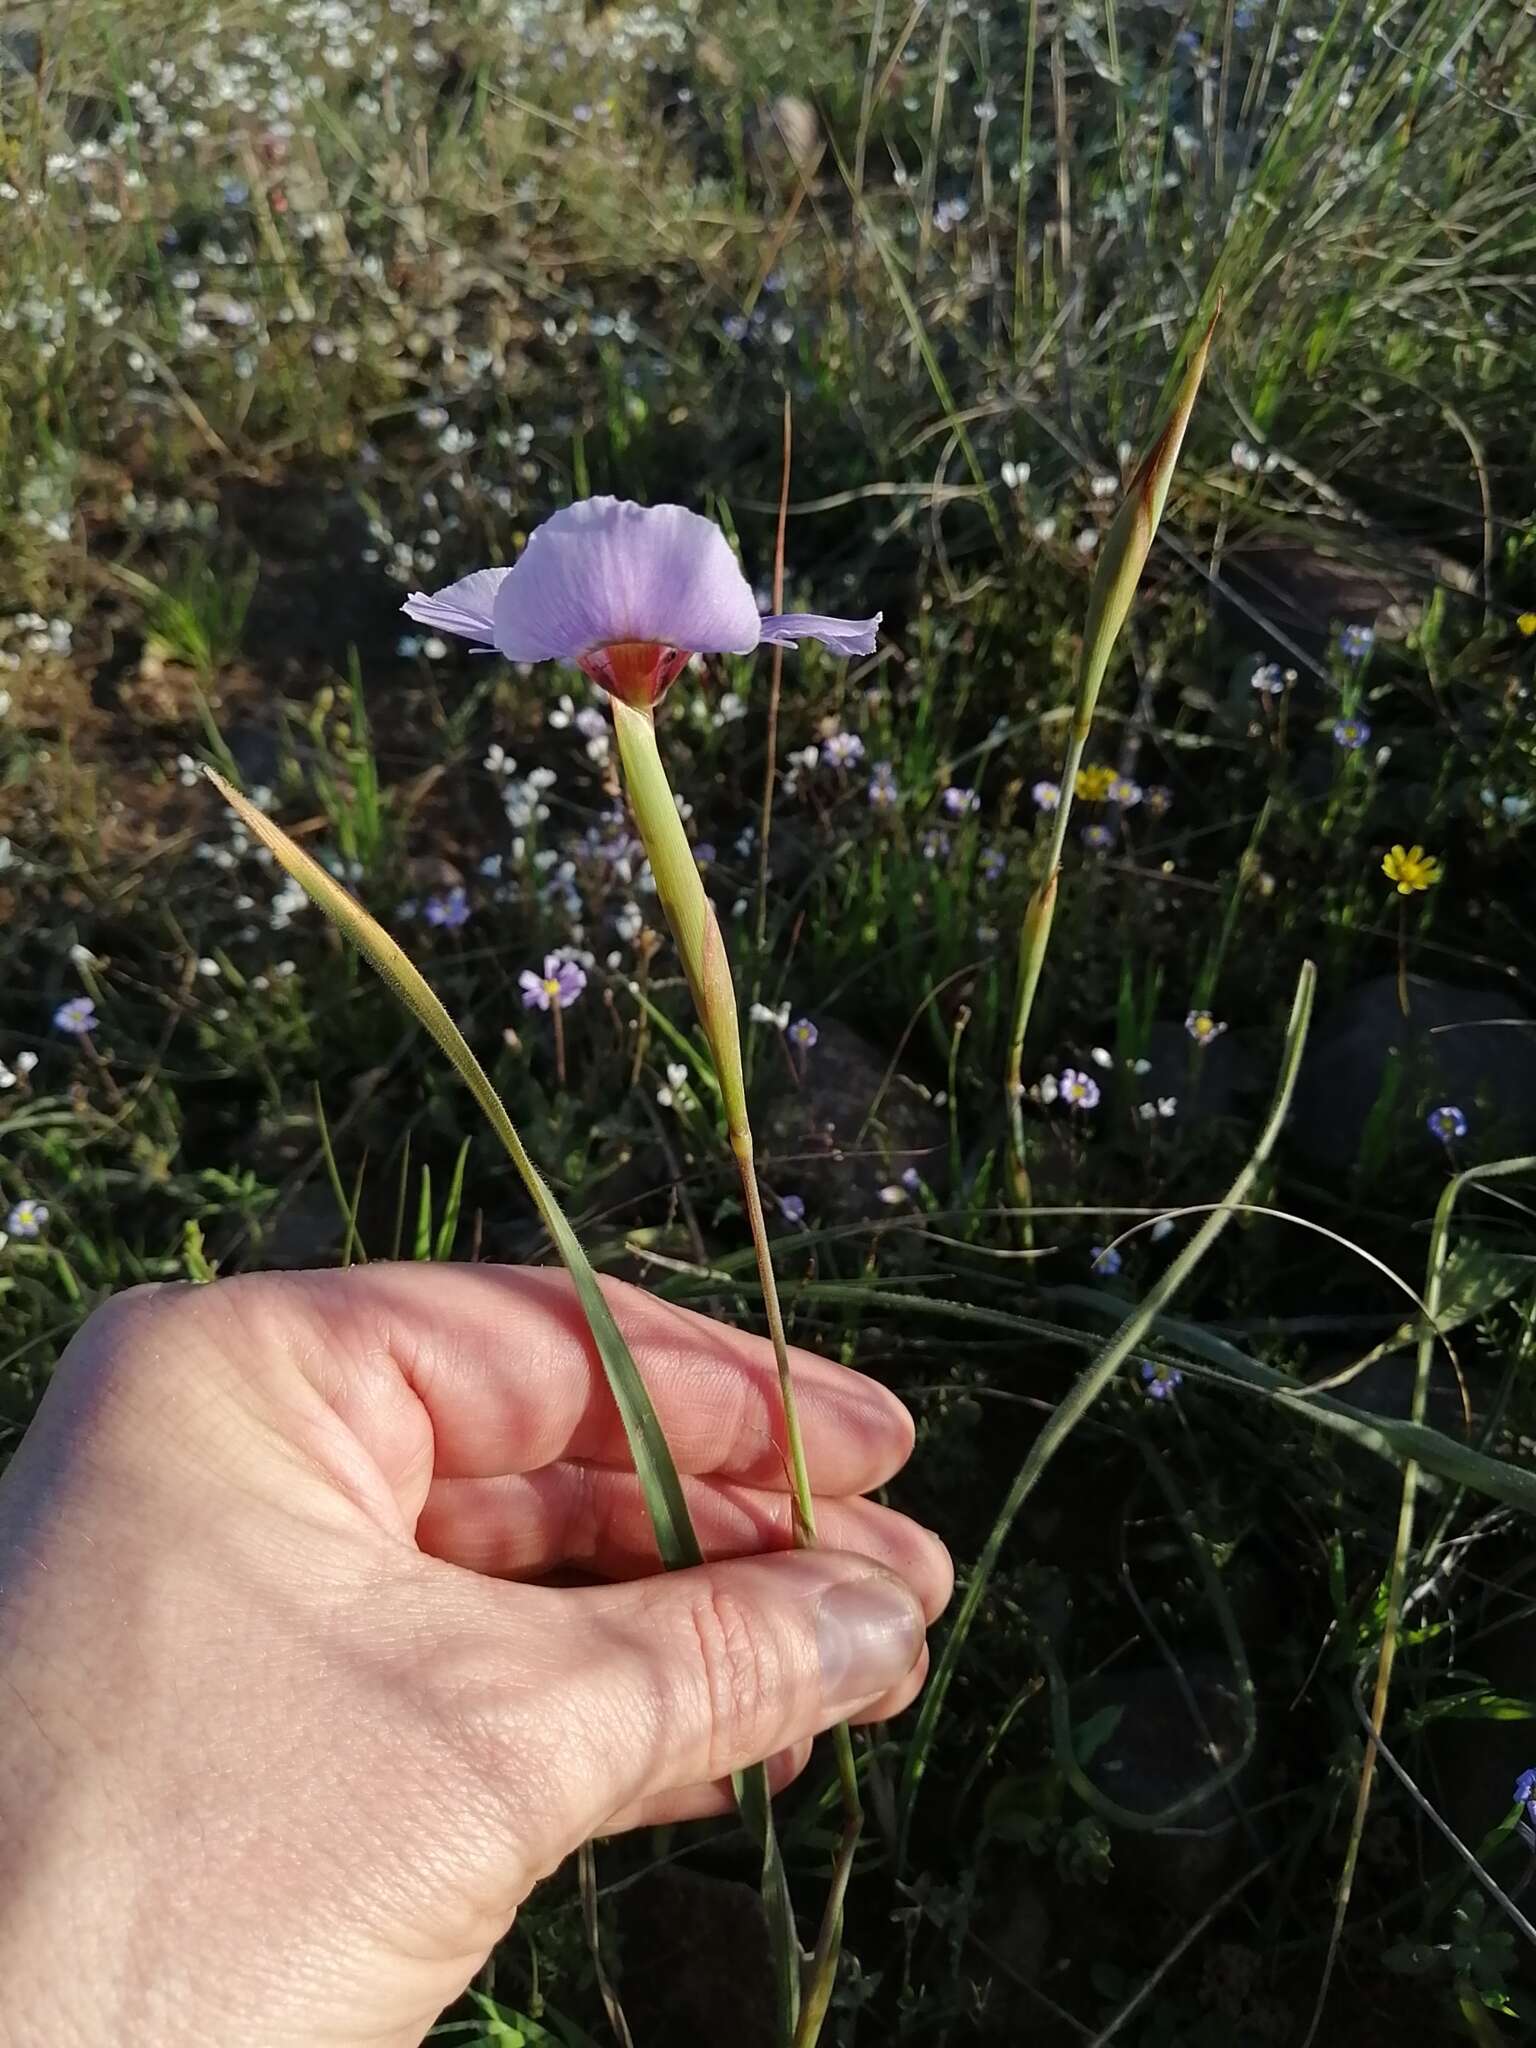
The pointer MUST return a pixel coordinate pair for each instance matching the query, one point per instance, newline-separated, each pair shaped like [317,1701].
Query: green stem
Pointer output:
[701,947]
[1121,560]
[1402,1548]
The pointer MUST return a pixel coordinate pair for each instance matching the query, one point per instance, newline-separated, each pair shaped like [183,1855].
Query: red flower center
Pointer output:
[638,672]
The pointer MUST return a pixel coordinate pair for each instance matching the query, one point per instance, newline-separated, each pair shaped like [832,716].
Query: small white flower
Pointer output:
[893,1195]
[1101,1056]
[1047,1089]
[629,923]
[1161,1229]
[209,969]
[760,1013]
[675,1093]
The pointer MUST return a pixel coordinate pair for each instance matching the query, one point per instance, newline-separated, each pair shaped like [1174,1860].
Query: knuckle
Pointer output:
[741,1673]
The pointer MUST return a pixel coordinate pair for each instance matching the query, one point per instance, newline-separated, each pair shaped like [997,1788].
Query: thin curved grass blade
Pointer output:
[659,1483]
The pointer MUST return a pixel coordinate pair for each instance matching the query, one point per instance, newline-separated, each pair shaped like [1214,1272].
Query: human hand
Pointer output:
[289,1728]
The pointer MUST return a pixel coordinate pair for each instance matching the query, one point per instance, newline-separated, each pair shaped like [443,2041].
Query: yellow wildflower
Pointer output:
[1094,784]
[1526,623]
[1411,868]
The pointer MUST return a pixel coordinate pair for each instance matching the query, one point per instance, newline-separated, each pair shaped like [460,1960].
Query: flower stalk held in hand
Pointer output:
[630,594]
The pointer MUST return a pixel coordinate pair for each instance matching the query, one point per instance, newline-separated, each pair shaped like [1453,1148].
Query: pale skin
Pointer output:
[297,1703]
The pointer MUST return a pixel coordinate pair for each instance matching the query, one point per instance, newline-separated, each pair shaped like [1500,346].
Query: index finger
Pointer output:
[502,1361]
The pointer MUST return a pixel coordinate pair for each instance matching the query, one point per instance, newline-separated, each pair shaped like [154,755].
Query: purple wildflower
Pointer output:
[959,802]
[883,792]
[1098,838]
[992,863]
[27,1218]
[1356,642]
[1525,1793]
[802,1033]
[1160,1381]
[1446,1123]
[935,846]
[1105,1259]
[449,912]
[556,988]
[77,1017]
[1351,734]
[842,749]
[628,592]
[792,1208]
[1077,1089]
[1047,795]
[911,1179]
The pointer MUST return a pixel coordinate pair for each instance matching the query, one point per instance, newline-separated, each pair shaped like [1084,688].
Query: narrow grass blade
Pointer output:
[1397,1581]
[1122,558]
[1064,1418]
[659,1482]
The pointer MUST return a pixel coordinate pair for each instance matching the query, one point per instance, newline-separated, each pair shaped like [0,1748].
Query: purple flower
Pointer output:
[842,749]
[992,863]
[1105,1259]
[883,792]
[935,846]
[1098,838]
[802,1033]
[1160,1381]
[1350,733]
[77,1017]
[1077,1089]
[556,988]
[792,1208]
[1356,642]
[627,592]
[1446,1123]
[911,1179]
[1047,795]
[1525,1793]
[959,801]
[449,912]
[27,1218]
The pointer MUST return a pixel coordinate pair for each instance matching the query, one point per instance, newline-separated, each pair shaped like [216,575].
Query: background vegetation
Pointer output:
[307,305]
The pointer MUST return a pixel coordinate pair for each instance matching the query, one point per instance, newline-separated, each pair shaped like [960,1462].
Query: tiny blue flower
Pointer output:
[1160,1381]
[882,786]
[792,1208]
[1356,642]
[802,1033]
[77,1017]
[1098,838]
[448,912]
[1105,1259]
[1446,1123]
[27,1218]
[991,864]
[959,801]
[911,1179]
[1525,1792]
[1351,734]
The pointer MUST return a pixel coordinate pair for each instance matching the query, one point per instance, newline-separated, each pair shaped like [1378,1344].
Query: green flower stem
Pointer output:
[1121,560]
[701,947]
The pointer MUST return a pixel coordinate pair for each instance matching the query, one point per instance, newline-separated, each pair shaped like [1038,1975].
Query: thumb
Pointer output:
[688,1677]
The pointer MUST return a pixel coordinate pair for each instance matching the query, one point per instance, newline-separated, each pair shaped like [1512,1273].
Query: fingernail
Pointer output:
[868,1633]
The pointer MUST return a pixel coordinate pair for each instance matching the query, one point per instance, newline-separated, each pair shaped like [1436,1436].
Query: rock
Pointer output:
[809,1126]
[1475,1048]
[698,1961]
[1175,1731]
[1304,594]
[1205,1080]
